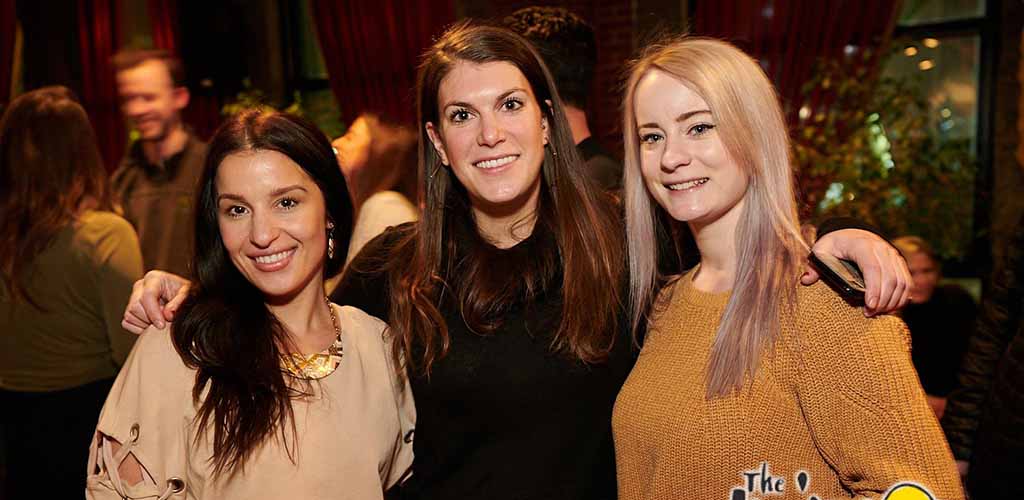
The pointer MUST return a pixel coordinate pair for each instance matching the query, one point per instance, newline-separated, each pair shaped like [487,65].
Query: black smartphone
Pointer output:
[842,275]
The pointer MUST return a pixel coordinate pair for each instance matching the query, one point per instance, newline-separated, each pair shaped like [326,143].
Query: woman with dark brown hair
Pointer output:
[505,301]
[67,264]
[262,388]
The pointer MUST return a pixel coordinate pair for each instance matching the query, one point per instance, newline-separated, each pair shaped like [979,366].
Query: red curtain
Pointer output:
[163,15]
[97,40]
[789,36]
[372,50]
[203,111]
[8,27]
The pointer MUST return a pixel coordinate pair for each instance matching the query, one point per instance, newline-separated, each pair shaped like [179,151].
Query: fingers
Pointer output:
[894,282]
[150,303]
[872,272]
[809,277]
[172,305]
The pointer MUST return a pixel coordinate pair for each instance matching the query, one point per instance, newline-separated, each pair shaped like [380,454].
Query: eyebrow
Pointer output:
[276,192]
[501,97]
[681,118]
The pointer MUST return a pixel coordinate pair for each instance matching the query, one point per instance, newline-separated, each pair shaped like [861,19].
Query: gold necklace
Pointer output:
[319,365]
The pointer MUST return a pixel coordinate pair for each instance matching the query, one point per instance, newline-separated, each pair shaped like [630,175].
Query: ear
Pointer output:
[181,96]
[544,119]
[435,139]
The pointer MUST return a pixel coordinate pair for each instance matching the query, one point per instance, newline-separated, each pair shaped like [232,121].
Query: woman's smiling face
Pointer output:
[273,222]
[685,166]
[491,132]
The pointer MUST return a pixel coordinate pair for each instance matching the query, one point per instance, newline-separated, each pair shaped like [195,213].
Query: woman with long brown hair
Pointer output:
[744,376]
[505,301]
[67,264]
[262,388]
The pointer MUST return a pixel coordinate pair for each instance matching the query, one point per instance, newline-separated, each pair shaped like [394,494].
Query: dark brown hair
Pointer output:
[130,58]
[580,234]
[224,329]
[50,168]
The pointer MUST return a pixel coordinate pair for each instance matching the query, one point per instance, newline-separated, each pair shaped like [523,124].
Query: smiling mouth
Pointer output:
[495,163]
[274,257]
[690,184]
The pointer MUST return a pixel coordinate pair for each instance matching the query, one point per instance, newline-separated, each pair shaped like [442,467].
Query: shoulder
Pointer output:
[99,228]
[359,322]
[825,322]
[155,348]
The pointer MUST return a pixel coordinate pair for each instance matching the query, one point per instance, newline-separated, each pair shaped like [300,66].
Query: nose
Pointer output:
[675,155]
[133,107]
[263,231]
[491,131]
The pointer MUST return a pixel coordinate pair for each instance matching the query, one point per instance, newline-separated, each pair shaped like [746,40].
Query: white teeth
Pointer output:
[496,162]
[688,184]
[272,258]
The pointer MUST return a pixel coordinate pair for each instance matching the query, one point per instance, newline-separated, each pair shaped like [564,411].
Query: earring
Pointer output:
[330,241]
[434,171]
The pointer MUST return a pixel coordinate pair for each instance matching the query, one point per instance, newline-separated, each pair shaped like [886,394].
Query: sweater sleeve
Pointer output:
[118,263]
[862,401]
[1000,309]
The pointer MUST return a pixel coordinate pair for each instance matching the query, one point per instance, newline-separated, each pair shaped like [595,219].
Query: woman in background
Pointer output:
[378,158]
[741,371]
[940,319]
[67,264]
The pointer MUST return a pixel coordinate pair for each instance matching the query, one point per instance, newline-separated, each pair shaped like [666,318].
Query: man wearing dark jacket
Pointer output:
[984,418]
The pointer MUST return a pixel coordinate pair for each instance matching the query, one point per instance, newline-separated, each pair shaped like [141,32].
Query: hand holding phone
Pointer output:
[841,275]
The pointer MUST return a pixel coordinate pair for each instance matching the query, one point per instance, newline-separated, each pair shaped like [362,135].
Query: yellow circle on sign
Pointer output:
[908,491]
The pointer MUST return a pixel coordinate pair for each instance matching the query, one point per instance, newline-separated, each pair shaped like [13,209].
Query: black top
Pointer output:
[503,417]
[939,330]
[602,167]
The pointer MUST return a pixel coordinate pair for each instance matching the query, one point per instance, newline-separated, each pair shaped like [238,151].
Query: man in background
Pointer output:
[155,182]
[567,44]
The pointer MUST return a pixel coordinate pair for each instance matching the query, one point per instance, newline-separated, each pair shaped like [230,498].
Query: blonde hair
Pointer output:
[770,248]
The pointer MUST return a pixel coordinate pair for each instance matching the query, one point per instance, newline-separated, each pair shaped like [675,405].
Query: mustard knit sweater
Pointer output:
[836,400]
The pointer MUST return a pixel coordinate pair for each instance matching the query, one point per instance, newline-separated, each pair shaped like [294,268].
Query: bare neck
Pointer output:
[174,142]
[306,318]
[577,123]
[716,242]
[506,226]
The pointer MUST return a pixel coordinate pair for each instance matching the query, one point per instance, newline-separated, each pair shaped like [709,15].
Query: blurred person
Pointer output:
[155,181]
[261,388]
[567,44]
[67,264]
[744,376]
[514,392]
[378,159]
[940,319]
[984,417]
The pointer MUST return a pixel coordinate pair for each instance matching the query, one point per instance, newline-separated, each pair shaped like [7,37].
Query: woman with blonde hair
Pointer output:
[747,383]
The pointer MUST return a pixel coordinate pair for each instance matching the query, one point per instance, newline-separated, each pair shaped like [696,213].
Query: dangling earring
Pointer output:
[330,241]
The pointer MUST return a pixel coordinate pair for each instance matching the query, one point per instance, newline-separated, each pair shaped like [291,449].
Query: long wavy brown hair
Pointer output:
[443,258]
[224,329]
[50,170]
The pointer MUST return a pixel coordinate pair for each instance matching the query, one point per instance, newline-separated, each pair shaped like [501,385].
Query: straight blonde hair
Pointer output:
[770,248]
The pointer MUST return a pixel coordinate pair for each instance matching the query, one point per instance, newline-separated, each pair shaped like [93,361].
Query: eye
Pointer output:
[459,115]
[236,211]
[288,203]
[701,128]
[650,138]
[512,104]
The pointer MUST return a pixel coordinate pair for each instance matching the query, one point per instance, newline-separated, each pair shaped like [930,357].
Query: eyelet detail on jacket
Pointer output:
[408,436]
[133,434]
[176,484]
